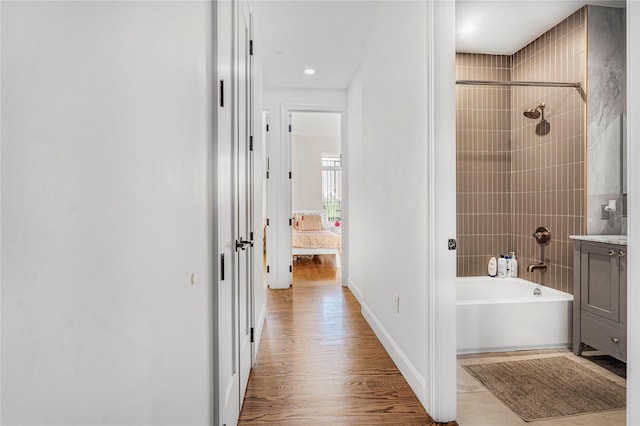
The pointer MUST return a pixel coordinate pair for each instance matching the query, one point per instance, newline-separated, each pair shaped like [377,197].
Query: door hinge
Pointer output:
[222,267]
[251,53]
[222,93]
[251,334]
[268,269]
[290,221]
[289,128]
[267,127]
[267,174]
[251,236]
[290,268]
[250,143]
[289,175]
[267,221]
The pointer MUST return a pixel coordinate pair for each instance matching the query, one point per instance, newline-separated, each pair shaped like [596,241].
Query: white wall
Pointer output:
[387,168]
[278,102]
[106,132]
[402,194]
[313,134]
[633,133]
[356,186]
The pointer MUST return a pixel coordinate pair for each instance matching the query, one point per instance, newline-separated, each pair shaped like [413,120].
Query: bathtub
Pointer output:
[502,314]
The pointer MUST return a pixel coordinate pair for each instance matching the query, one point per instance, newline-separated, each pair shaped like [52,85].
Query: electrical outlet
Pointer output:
[396,301]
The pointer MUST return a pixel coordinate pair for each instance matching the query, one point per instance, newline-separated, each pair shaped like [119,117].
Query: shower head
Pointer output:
[534,113]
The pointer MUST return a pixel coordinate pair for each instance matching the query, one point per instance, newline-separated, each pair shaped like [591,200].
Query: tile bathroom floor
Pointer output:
[479,407]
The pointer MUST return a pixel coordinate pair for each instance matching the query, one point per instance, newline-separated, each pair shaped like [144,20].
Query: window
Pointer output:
[332,187]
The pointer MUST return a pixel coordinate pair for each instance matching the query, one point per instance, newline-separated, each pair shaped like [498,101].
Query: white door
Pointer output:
[244,249]
[228,385]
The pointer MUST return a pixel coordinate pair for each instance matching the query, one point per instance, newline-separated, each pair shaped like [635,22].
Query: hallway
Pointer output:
[320,363]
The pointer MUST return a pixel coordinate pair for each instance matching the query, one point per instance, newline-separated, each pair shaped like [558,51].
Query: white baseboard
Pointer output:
[408,370]
[279,285]
[355,290]
[257,329]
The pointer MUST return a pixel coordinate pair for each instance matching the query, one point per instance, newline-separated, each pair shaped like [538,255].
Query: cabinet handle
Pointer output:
[615,340]
[612,252]
[622,253]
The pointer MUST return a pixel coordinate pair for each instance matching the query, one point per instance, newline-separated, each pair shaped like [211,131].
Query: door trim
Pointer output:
[285,110]
[441,263]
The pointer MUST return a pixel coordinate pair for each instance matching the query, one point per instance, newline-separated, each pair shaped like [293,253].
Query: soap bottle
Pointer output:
[508,269]
[502,267]
[514,265]
[491,267]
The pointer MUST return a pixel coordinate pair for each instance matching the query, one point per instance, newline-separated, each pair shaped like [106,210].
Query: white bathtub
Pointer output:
[502,314]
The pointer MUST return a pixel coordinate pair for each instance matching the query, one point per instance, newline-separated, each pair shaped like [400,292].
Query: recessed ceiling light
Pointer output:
[309,71]
[280,52]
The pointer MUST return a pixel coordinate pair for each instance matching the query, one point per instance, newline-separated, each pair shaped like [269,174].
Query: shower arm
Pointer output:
[519,83]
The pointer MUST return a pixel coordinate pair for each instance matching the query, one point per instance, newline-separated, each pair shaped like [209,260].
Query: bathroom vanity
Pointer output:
[600,294]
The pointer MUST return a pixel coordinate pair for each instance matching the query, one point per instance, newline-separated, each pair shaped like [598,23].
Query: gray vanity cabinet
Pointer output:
[600,297]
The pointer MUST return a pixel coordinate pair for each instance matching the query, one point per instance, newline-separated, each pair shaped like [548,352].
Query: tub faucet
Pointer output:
[535,266]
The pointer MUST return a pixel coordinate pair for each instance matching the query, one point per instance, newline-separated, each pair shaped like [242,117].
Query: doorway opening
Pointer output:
[316,197]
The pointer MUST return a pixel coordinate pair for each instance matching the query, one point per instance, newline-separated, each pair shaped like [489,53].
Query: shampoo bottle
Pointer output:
[491,267]
[514,265]
[502,267]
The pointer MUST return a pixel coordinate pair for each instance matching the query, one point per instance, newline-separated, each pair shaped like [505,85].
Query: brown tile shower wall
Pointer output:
[483,162]
[548,169]
[511,179]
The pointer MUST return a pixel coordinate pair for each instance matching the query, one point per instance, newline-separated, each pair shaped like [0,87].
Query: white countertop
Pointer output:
[610,239]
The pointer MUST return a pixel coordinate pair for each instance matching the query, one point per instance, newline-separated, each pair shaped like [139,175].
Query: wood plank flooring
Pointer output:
[319,269]
[319,362]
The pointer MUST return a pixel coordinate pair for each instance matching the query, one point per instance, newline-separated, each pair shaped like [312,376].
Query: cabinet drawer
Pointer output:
[606,337]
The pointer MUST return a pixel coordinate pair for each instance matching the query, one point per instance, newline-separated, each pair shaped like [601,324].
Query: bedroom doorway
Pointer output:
[316,196]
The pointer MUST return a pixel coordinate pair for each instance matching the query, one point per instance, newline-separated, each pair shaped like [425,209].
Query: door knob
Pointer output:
[240,244]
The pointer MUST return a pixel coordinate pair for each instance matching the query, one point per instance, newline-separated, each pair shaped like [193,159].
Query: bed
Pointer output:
[312,236]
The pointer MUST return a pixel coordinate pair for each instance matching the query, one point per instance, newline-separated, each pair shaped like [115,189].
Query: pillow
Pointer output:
[296,220]
[309,222]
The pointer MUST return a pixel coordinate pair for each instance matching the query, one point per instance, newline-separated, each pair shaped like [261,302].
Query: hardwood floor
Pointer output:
[319,362]
[318,269]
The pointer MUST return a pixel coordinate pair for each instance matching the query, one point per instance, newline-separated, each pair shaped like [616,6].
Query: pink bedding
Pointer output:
[315,239]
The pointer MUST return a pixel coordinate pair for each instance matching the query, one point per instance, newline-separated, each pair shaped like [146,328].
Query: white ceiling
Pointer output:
[504,27]
[329,36]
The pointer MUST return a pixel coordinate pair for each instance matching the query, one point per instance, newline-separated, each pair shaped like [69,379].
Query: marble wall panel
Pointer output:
[606,105]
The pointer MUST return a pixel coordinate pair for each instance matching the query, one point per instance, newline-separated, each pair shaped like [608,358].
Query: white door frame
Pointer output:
[285,110]
[441,263]
[242,215]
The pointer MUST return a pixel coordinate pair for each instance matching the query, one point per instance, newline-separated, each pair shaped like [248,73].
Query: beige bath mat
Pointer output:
[544,388]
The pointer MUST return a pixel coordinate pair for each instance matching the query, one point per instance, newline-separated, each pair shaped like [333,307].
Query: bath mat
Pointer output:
[545,388]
